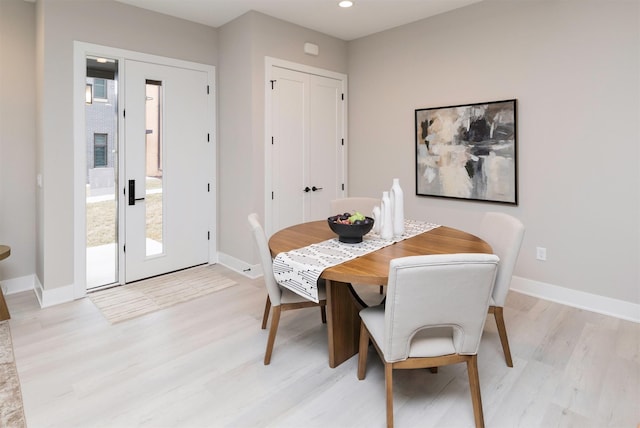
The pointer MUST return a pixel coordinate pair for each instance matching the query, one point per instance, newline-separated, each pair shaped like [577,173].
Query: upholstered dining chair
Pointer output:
[504,233]
[363,205]
[279,299]
[434,314]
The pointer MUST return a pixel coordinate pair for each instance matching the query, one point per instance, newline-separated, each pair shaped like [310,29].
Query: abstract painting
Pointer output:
[468,152]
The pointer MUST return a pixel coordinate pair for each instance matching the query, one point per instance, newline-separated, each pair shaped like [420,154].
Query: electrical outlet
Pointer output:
[541,253]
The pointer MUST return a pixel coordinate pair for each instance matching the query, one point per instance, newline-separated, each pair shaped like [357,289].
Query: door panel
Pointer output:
[288,150]
[166,224]
[325,145]
[307,126]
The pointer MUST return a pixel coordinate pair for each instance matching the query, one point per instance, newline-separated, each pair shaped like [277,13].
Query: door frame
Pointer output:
[271,62]
[80,52]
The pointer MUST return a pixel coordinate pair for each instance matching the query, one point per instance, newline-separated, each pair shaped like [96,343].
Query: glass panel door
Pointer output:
[101,126]
[166,169]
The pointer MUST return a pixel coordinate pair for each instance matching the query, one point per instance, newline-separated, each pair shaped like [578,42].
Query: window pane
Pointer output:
[154,175]
[100,156]
[99,150]
[100,88]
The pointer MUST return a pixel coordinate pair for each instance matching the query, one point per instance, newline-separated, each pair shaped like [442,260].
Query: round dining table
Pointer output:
[343,303]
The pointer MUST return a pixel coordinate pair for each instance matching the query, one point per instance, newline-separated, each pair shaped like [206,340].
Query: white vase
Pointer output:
[397,208]
[377,219]
[386,227]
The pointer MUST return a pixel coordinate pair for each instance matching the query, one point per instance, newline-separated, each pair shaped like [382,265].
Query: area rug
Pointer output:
[11,409]
[133,300]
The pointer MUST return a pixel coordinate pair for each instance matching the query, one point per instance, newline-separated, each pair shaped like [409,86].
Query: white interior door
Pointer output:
[325,149]
[166,159]
[307,153]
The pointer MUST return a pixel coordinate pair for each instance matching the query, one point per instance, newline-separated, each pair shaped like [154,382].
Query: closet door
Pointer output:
[307,152]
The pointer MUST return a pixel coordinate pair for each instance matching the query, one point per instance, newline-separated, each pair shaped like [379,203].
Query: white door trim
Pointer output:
[80,51]
[271,62]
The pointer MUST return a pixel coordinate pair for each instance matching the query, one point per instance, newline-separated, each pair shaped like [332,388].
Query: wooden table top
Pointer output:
[373,268]
[5,251]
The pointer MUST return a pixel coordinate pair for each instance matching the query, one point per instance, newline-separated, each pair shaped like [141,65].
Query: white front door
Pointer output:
[167,157]
[307,150]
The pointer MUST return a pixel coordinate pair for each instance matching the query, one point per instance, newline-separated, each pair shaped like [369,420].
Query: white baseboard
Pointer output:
[566,296]
[577,299]
[18,285]
[574,298]
[45,298]
[240,266]
[54,296]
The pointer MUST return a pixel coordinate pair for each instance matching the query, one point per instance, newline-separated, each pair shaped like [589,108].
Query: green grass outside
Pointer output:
[101,218]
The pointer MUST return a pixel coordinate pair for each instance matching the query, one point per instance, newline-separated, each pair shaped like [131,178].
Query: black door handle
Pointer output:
[132,193]
[306,189]
[314,188]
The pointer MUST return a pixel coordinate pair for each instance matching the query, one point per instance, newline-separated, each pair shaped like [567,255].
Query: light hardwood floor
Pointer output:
[199,364]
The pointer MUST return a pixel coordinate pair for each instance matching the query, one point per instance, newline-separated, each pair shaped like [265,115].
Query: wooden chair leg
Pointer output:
[4,310]
[323,314]
[474,386]
[275,320]
[502,331]
[381,289]
[433,369]
[362,351]
[388,381]
[265,317]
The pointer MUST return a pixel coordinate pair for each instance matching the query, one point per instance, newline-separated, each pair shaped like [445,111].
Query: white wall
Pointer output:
[17,137]
[109,23]
[574,68]
[572,65]
[244,44]
[51,28]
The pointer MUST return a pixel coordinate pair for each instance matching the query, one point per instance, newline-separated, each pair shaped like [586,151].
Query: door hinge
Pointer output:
[124,113]
[272,82]
[208,187]
[342,97]
[272,141]
[343,187]
[124,248]
[343,141]
[208,137]
[272,196]
[208,236]
[207,89]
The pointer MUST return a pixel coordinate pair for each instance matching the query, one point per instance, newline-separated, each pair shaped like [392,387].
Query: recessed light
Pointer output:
[345,3]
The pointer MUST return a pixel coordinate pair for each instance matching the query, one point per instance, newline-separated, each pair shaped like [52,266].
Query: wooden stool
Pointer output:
[5,251]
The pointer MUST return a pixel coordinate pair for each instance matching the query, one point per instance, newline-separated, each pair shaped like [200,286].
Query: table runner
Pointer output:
[298,270]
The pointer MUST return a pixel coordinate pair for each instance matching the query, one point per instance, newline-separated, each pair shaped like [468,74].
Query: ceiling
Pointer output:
[364,18]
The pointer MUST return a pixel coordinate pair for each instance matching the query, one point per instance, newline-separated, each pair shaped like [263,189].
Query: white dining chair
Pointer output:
[279,298]
[435,311]
[504,233]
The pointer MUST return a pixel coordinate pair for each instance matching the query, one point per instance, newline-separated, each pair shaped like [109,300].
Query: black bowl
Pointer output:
[350,233]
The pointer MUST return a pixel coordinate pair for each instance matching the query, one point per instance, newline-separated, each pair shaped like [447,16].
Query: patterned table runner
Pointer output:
[299,270]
